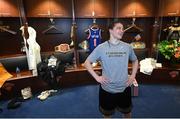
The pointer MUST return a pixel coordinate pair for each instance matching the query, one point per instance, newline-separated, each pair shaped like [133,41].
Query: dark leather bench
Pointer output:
[83,55]
[10,63]
[66,57]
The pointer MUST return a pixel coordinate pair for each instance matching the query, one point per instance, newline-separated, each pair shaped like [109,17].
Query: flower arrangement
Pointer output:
[170,49]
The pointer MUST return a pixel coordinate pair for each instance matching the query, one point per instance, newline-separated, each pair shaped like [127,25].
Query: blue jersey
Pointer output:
[94,38]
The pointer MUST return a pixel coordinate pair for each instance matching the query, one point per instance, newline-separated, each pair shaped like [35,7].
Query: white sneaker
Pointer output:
[42,93]
[52,91]
[45,96]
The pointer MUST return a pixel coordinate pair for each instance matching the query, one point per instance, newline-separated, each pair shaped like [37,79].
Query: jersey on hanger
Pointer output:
[94,38]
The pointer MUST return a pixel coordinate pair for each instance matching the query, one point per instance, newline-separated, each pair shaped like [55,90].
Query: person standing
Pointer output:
[114,56]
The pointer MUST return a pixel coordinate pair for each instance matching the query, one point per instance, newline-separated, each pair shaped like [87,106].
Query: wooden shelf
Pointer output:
[28,74]
[22,75]
[81,68]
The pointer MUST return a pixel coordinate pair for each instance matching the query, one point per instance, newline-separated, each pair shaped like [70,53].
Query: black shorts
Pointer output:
[108,102]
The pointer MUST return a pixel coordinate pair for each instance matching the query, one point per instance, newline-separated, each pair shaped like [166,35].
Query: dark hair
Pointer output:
[112,24]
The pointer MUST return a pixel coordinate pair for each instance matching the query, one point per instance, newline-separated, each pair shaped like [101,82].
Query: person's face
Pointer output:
[117,31]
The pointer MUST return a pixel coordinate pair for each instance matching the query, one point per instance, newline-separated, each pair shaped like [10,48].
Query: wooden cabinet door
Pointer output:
[145,8]
[101,8]
[104,8]
[170,7]
[125,8]
[38,8]
[61,8]
[48,8]
[135,8]
[9,8]
[84,8]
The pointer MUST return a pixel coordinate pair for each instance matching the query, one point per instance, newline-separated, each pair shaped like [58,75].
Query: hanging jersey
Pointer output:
[94,38]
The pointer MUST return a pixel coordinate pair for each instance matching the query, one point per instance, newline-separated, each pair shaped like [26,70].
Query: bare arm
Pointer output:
[134,68]
[98,78]
[133,74]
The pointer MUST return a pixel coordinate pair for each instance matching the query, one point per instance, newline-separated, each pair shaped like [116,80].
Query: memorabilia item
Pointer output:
[84,45]
[138,45]
[26,93]
[94,37]
[147,65]
[62,48]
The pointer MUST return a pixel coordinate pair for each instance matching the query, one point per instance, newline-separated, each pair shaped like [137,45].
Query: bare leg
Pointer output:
[128,115]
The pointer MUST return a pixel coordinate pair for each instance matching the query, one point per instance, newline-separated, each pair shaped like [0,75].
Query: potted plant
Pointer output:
[170,49]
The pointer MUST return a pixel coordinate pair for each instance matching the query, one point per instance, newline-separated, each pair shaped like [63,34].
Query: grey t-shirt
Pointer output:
[114,61]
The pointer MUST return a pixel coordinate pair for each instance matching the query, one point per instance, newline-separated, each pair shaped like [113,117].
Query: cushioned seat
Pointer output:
[10,63]
[66,57]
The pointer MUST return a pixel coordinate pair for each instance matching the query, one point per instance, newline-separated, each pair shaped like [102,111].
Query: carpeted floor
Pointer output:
[153,101]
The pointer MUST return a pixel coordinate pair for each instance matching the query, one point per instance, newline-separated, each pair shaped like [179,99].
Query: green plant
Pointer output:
[170,49]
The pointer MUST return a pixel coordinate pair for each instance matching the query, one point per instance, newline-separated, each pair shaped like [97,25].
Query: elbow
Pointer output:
[136,63]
